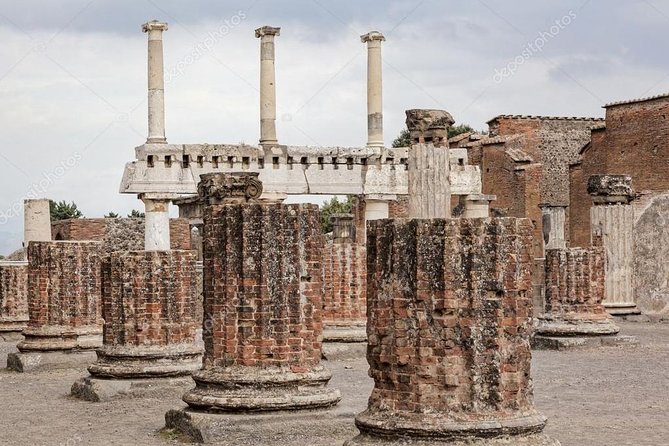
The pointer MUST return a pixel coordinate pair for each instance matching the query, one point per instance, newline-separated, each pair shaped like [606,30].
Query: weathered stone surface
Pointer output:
[64,296]
[422,120]
[606,188]
[449,323]
[99,390]
[574,294]
[238,187]
[39,361]
[429,186]
[13,297]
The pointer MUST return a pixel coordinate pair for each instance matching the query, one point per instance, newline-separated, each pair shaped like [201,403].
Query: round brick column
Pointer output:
[64,296]
[149,312]
[574,294]
[13,297]
[263,282]
[449,323]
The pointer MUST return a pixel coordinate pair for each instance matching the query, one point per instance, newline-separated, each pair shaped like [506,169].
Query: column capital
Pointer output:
[372,36]
[268,31]
[610,189]
[234,187]
[154,25]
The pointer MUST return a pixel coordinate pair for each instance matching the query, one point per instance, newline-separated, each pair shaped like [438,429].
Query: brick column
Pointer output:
[449,306]
[64,302]
[262,303]
[13,299]
[612,226]
[344,301]
[573,314]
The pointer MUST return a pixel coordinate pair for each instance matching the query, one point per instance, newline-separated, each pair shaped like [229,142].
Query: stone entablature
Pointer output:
[176,168]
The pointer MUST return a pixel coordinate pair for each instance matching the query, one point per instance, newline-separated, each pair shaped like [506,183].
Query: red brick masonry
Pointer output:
[13,296]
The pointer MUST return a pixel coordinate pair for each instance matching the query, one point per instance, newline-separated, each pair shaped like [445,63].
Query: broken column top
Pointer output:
[268,31]
[428,125]
[611,188]
[154,25]
[234,187]
[372,35]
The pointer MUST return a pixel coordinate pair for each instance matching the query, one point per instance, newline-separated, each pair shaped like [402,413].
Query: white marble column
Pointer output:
[267,85]
[156,82]
[36,221]
[612,226]
[429,184]
[478,205]
[553,219]
[374,88]
[156,224]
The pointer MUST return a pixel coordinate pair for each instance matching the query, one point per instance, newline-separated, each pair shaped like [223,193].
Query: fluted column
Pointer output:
[374,88]
[156,82]
[612,225]
[267,84]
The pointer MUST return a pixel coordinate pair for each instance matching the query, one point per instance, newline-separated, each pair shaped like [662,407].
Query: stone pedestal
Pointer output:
[573,315]
[449,305]
[13,299]
[263,282]
[344,301]
[612,224]
[149,332]
[478,205]
[64,294]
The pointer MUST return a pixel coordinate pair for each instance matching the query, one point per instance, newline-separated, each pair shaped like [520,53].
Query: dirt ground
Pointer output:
[607,397]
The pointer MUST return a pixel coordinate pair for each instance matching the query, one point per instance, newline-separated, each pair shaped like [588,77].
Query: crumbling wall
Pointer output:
[13,295]
[345,298]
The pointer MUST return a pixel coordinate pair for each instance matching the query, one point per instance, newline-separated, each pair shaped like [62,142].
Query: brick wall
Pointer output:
[149,298]
[263,283]
[64,284]
[13,296]
[118,234]
[345,298]
[399,208]
[450,317]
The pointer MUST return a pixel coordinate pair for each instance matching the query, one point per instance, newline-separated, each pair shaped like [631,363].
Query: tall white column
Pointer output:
[612,226]
[36,220]
[374,88]
[156,224]
[156,82]
[553,219]
[267,85]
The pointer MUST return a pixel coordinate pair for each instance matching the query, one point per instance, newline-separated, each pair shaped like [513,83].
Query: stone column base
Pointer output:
[555,326]
[542,342]
[146,362]
[238,388]
[344,332]
[11,331]
[59,338]
[42,361]
[383,428]
[621,309]
[98,390]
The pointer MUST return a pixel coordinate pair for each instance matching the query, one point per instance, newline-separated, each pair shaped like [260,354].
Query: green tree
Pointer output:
[403,139]
[63,210]
[2,257]
[459,129]
[112,215]
[136,214]
[334,206]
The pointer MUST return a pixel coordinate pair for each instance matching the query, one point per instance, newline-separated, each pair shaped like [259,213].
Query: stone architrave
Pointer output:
[149,331]
[262,310]
[612,226]
[573,315]
[64,306]
[450,306]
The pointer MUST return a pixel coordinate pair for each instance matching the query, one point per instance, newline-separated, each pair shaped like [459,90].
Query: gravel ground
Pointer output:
[606,397]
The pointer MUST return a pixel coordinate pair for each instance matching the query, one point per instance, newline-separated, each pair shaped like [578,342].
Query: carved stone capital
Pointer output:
[236,187]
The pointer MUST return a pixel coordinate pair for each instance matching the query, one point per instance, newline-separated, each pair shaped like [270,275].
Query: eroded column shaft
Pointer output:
[374,88]
[156,82]
[429,185]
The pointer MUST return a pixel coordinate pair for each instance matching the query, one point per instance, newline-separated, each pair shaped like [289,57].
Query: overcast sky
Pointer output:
[73,76]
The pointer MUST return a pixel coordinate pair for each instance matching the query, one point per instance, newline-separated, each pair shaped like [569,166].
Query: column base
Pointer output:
[542,342]
[258,428]
[146,362]
[344,332]
[156,141]
[384,428]
[41,361]
[584,325]
[241,389]
[59,338]
[622,309]
[100,390]
[12,331]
